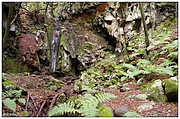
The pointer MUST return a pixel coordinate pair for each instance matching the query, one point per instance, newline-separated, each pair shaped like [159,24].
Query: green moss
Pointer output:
[171,86]
[171,89]
[105,111]
[145,87]
[10,14]
[72,99]
[8,84]
[12,65]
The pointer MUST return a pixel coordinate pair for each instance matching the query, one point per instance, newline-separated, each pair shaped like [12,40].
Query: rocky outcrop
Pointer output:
[28,47]
[123,20]
[77,47]
[165,10]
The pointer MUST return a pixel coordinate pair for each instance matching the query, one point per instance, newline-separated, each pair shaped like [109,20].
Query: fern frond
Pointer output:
[87,105]
[129,66]
[62,109]
[102,97]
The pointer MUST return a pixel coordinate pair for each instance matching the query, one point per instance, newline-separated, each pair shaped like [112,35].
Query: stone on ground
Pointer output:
[145,107]
[120,111]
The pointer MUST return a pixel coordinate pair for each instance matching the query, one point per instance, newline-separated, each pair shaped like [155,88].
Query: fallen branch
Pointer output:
[34,103]
[44,102]
[14,19]
[53,101]
[62,90]
[27,102]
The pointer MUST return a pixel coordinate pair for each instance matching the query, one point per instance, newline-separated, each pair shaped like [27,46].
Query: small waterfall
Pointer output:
[54,49]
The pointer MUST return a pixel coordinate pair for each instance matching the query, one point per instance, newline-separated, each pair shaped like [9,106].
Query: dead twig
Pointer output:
[34,102]
[14,19]
[54,100]
[44,102]
[27,102]
[60,91]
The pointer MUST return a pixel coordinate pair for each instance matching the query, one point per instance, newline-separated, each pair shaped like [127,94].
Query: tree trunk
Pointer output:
[10,13]
[145,27]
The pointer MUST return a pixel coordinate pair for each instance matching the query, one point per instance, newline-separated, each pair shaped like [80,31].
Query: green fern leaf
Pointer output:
[62,109]
[130,67]
[10,103]
[102,97]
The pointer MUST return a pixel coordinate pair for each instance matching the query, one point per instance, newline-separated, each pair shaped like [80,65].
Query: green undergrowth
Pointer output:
[105,72]
[12,94]
[83,105]
[161,62]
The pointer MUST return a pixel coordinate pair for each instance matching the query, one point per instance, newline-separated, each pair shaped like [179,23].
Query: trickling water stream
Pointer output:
[54,49]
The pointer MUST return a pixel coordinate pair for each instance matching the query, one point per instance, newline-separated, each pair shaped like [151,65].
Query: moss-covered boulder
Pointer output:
[171,89]
[155,91]
[12,65]
[105,111]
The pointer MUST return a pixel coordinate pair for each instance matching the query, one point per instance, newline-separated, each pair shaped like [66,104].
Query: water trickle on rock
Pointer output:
[54,49]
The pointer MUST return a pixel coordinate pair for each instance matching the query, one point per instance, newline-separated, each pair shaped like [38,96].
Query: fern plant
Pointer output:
[85,105]
[63,108]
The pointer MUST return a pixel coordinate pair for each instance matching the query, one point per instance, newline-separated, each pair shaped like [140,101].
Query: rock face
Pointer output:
[120,111]
[76,47]
[171,89]
[156,92]
[127,22]
[128,19]
[28,47]
[165,10]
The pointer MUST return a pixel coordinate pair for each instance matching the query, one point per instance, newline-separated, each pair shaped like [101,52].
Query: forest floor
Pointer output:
[169,109]
[39,99]
[42,90]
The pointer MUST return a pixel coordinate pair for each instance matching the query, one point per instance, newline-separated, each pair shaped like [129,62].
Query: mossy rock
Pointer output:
[155,91]
[171,89]
[105,111]
[8,84]
[12,65]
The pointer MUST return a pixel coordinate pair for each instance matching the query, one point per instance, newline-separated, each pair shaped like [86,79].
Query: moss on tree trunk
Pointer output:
[10,14]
